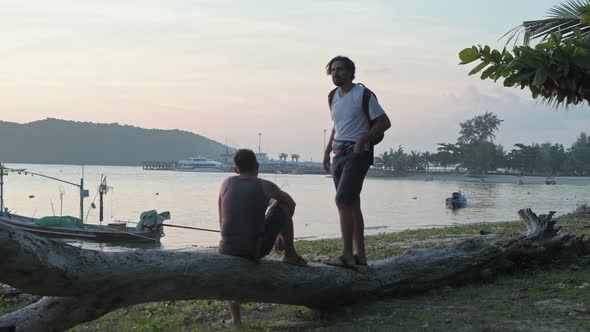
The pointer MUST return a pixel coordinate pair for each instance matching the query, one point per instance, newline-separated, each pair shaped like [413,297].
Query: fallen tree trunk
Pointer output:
[82,285]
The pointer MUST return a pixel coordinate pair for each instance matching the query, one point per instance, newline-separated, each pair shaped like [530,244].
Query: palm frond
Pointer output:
[563,19]
[569,9]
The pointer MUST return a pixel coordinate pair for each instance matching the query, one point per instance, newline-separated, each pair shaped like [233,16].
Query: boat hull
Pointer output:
[200,170]
[98,234]
[456,203]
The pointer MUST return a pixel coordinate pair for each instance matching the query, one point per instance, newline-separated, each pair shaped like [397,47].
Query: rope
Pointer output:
[90,208]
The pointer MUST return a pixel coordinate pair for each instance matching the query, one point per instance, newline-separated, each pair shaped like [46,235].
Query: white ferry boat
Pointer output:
[199,164]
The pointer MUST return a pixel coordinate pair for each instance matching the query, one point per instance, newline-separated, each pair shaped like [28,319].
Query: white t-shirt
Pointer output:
[350,122]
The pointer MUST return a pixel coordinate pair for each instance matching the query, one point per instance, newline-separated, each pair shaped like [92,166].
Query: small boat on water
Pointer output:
[148,229]
[199,164]
[457,200]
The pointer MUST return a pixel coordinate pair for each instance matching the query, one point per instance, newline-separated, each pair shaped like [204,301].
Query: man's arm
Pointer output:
[220,201]
[326,161]
[273,191]
[382,123]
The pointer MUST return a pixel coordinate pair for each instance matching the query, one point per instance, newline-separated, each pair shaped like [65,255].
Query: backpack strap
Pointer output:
[365,104]
[331,97]
[366,99]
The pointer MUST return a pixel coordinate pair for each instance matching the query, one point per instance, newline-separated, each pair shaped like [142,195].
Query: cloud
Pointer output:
[379,71]
[420,123]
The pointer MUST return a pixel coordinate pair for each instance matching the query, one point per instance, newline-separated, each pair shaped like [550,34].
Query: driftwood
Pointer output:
[81,285]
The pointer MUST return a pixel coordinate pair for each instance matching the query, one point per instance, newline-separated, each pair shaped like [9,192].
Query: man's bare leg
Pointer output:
[235,320]
[287,234]
[346,214]
[359,232]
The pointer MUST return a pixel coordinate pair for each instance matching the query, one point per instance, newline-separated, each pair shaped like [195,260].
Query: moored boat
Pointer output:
[114,233]
[457,200]
[199,164]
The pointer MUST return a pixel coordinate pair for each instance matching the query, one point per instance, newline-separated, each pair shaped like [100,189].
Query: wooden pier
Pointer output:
[159,165]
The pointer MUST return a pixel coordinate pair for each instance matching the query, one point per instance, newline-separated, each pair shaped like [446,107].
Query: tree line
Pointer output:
[475,152]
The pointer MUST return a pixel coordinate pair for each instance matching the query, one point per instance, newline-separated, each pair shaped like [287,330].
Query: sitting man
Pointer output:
[247,230]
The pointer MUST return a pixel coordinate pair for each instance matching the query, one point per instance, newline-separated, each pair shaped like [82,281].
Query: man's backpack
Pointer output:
[365,104]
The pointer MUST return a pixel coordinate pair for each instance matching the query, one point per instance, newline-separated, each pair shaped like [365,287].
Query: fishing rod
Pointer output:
[194,228]
[212,230]
[179,226]
[198,228]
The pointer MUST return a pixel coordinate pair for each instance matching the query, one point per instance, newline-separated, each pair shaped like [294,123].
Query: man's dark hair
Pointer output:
[245,160]
[347,63]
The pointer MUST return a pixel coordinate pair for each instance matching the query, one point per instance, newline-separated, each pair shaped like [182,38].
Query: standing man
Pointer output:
[358,120]
[247,230]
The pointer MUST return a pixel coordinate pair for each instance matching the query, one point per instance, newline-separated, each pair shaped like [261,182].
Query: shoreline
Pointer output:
[491,178]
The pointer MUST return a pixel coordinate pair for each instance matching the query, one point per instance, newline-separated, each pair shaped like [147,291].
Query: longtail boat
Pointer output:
[148,229]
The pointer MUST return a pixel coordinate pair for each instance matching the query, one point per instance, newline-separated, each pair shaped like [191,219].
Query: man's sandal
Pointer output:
[297,261]
[340,261]
[359,261]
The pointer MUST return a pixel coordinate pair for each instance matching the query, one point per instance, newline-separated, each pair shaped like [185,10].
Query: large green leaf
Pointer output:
[532,59]
[582,61]
[546,45]
[488,72]
[479,67]
[585,14]
[540,77]
[511,80]
[469,55]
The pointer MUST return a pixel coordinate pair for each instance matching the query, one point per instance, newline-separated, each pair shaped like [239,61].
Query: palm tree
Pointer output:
[384,159]
[479,129]
[426,160]
[413,160]
[398,159]
[563,19]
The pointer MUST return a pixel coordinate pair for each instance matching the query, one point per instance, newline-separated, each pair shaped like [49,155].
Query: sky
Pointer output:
[229,70]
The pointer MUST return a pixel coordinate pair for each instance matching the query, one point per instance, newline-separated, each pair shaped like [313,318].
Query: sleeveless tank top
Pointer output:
[244,206]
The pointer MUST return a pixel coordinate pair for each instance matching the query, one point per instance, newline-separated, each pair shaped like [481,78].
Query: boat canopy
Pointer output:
[63,221]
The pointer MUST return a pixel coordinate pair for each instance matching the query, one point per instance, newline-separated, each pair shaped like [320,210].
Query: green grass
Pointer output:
[554,297]
[388,245]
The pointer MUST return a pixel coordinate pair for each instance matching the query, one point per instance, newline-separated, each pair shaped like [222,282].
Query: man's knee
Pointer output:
[281,209]
[286,210]
[344,201]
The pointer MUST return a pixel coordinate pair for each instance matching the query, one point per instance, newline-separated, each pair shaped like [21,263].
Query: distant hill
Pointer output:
[54,141]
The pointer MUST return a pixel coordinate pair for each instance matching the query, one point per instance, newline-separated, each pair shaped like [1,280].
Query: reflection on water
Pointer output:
[388,204]
[112,246]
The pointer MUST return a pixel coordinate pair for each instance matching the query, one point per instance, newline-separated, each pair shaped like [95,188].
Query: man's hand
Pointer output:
[279,244]
[359,148]
[326,162]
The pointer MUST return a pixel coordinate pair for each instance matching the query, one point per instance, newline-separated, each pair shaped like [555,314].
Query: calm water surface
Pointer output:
[389,205]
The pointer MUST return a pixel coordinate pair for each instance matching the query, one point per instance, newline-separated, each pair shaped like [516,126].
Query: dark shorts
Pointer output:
[276,217]
[348,173]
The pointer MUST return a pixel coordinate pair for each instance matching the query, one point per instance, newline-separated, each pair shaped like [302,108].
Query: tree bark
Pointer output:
[82,285]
